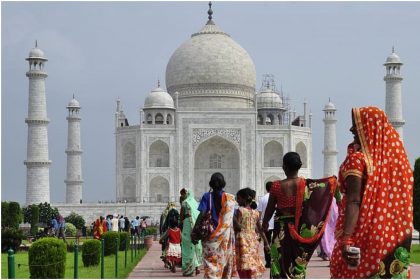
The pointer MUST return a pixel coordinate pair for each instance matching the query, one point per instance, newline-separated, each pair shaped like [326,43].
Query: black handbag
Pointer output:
[204,227]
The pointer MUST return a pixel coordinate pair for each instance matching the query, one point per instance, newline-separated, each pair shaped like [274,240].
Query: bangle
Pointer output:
[346,240]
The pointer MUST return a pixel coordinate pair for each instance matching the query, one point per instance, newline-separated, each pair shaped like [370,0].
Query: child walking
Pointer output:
[173,250]
[247,228]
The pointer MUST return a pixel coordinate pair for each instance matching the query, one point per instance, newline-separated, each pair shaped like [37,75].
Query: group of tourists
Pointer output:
[136,227]
[57,227]
[362,221]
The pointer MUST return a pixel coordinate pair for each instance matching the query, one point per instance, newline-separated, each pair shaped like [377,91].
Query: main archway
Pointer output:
[216,155]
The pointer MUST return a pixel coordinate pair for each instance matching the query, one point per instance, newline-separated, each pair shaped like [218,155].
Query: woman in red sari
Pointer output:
[375,215]
[100,228]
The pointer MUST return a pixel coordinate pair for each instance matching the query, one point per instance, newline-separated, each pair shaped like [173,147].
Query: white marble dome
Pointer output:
[268,99]
[211,64]
[329,106]
[393,58]
[73,103]
[36,53]
[159,98]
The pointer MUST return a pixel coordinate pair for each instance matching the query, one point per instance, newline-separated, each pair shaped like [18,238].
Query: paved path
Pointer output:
[152,267]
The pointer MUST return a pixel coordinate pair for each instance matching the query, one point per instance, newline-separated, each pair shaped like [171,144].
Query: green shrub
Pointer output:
[35,219]
[4,213]
[91,252]
[11,238]
[76,220]
[15,215]
[70,230]
[47,258]
[109,238]
[124,237]
[151,230]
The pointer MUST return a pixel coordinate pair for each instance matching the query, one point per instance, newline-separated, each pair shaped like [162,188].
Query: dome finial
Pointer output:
[158,83]
[36,43]
[210,11]
[393,49]
[73,95]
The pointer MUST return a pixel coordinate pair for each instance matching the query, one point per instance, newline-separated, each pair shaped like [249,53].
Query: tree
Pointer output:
[35,219]
[416,195]
[11,214]
[76,220]
[45,213]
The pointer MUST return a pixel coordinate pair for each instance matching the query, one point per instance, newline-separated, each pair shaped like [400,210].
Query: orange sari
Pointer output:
[384,226]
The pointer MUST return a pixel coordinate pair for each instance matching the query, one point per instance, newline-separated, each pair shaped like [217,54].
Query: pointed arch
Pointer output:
[129,155]
[159,154]
[303,153]
[129,189]
[159,189]
[273,154]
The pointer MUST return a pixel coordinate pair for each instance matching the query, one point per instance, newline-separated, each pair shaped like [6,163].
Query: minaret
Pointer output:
[330,147]
[37,162]
[393,78]
[74,179]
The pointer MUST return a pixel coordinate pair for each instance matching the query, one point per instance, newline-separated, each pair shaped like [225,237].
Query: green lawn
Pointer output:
[22,272]
[415,253]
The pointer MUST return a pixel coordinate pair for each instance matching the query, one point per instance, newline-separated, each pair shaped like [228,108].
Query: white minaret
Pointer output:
[37,162]
[74,179]
[393,78]
[330,147]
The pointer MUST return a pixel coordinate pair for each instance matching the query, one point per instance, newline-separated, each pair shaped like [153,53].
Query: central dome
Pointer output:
[211,70]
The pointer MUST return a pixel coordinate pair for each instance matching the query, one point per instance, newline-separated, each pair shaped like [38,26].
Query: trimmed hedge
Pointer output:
[91,252]
[11,238]
[109,238]
[151,231]
[35,219]
[76,220]
[70,230]
[47,258]
[124,237]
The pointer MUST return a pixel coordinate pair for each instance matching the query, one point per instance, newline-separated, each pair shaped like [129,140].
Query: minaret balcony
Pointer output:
[73,182]
[36,74]
[73,118]
[74,152]
[397,122]
[393,77]
[37,121]
[33,163]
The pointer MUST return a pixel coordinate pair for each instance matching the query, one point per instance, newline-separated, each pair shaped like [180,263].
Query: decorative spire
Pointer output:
[158,83]
[73,95]
[393,50]
[36,43]
[329,99]
[210,12]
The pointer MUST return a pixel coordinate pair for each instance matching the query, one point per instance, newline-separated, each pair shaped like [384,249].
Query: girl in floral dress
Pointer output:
[246,220]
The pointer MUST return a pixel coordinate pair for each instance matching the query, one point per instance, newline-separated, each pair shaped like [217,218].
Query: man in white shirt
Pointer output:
[262,205]
[114,223]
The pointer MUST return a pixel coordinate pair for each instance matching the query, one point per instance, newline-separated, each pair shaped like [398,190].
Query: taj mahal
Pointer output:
[212,117]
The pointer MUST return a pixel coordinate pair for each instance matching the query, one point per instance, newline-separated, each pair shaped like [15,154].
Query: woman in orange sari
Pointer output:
[100,228]
[374,226]
[219,248]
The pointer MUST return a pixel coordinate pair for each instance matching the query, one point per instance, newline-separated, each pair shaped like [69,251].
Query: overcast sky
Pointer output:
[101,50]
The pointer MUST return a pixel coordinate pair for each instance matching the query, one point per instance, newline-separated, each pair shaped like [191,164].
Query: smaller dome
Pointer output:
[393,58]
[159,98]
[329,106]
[73,104]
[268,99]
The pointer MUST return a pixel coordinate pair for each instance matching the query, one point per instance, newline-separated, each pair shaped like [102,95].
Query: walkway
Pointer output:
[152,267]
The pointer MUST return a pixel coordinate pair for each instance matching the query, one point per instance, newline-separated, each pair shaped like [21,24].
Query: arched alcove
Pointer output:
[273,154]
[159,154]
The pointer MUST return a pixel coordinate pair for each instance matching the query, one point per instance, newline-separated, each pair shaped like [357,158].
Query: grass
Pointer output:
[415,253]
[22,272]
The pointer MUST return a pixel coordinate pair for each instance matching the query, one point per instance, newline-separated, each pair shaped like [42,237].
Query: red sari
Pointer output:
[384,227]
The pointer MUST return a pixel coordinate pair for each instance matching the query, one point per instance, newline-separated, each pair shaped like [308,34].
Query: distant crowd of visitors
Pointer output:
[137,227]
[362,221]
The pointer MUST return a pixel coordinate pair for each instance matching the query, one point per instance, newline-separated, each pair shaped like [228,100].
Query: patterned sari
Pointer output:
[296,237]
[384,226]
[191,254]
[219,249]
